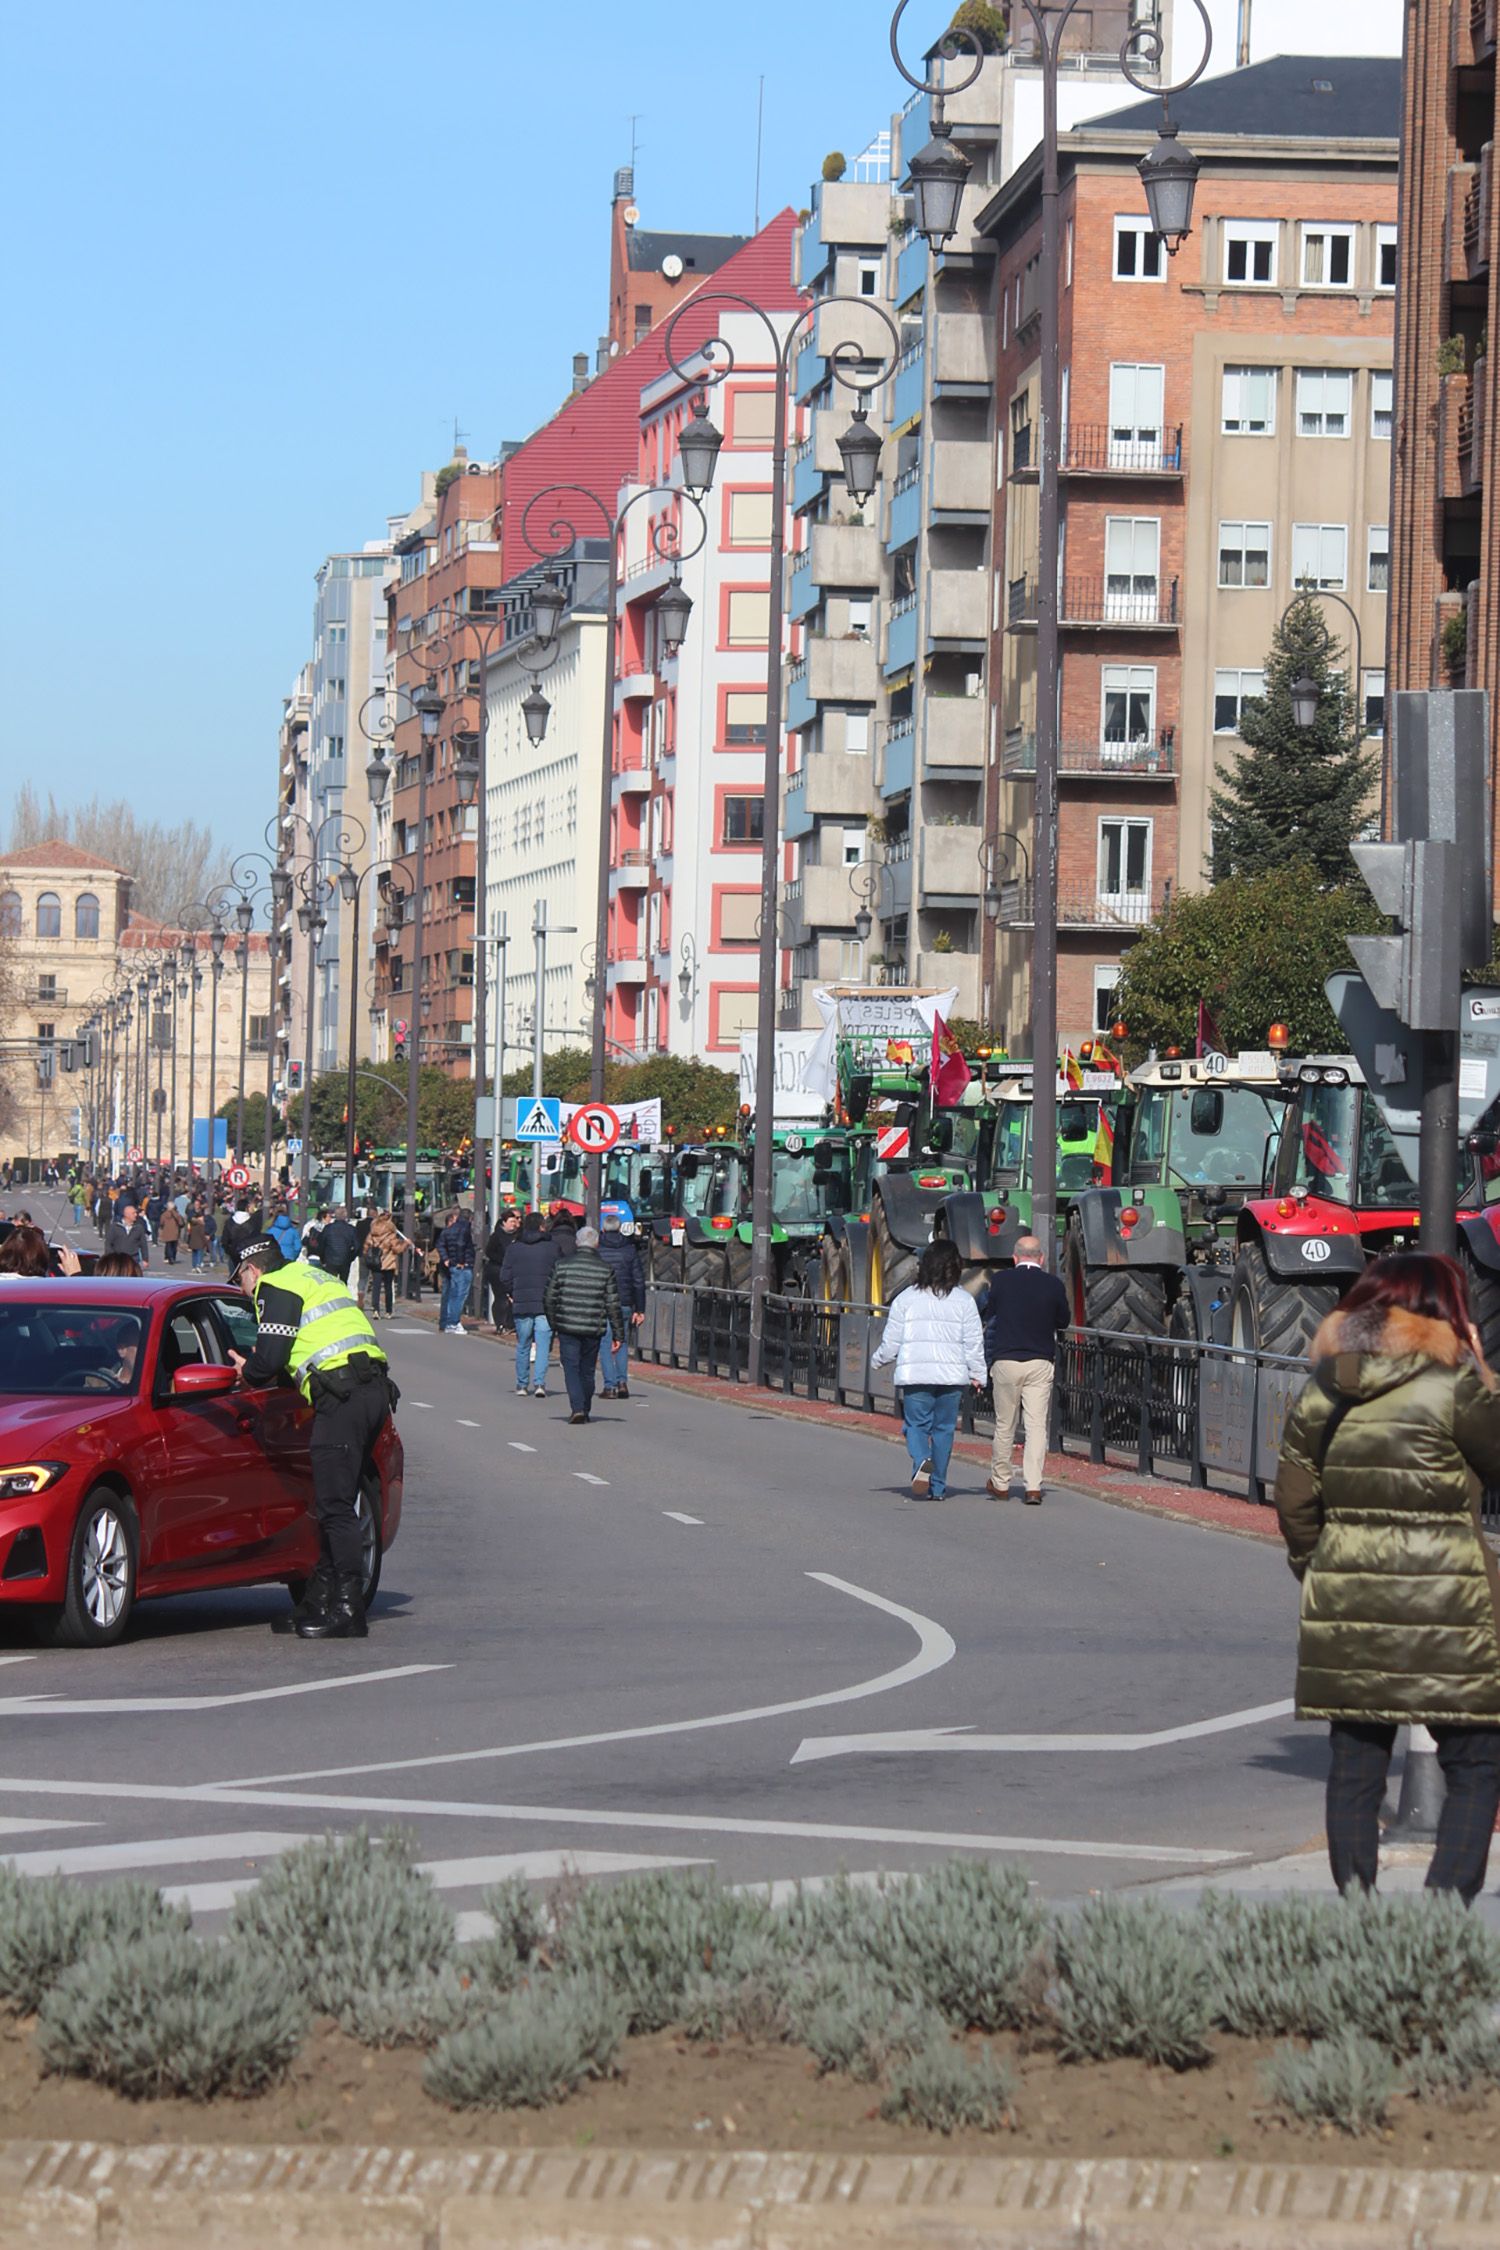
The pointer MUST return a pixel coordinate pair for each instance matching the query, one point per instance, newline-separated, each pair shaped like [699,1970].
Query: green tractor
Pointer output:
[985,1220]
[1152,1253]
[811,1181]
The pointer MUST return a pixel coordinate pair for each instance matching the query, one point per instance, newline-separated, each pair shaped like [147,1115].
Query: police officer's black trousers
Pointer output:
[343,1437]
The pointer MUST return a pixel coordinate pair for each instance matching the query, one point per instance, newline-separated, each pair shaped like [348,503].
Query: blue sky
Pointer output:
[259,259]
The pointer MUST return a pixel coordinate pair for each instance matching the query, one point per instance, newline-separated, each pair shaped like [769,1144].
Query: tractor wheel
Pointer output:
[664,1262]
[1182,1322]
[892,1266]
[1267,1314]
[1130,1300]
[833,1271]
[704,1268]
[1484,1297]
[737,1264]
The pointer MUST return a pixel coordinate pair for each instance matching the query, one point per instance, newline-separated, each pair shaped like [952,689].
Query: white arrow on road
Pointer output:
[921,1739]
[68,1707]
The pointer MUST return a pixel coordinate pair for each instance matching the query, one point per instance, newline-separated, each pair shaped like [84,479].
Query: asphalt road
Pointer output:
[609,1646]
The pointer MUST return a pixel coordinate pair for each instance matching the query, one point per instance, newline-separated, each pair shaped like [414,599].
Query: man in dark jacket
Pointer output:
[455,1249]
[1023,1309]
[524,1274]
[583,1305]
[128,1232]
[338,1245]
[495,1251]
[620,1252]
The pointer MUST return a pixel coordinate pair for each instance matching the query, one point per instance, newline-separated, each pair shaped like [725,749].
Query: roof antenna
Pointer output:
[1242,53]
[760,114]
[636,116]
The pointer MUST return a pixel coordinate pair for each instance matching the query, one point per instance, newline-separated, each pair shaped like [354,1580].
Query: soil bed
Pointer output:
[680,2094]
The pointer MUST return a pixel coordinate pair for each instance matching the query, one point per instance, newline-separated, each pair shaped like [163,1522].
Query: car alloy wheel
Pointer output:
[101,1573]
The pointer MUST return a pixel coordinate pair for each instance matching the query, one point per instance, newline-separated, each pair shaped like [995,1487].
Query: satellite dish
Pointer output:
[671,266]
[630,214]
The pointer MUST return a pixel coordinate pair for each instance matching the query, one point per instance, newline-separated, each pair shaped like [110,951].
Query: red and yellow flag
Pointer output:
[1072,1070]
[1104,1148]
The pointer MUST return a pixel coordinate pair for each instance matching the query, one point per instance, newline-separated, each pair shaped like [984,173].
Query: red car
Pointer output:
[133,1463]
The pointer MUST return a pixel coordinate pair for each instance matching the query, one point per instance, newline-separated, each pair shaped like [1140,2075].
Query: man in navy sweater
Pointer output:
[1023,1309]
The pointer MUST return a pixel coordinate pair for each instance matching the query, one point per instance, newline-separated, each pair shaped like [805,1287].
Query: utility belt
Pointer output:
[342,1382]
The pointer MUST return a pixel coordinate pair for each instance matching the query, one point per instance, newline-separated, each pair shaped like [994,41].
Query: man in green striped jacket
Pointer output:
[583,1306]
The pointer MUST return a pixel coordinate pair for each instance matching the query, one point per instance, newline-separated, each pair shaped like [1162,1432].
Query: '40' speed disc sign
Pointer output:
[593,1128]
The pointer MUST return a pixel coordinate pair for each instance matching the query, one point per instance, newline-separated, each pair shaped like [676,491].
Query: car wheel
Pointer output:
[103,1561]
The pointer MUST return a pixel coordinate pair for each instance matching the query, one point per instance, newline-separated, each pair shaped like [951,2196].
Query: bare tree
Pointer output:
[168,864]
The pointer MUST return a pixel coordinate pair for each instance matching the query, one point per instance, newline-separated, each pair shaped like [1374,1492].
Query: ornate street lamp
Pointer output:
[536,711]
[859,450]
[674,606]
[698,444]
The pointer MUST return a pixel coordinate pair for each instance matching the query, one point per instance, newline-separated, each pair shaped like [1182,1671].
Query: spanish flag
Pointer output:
[1104,1148]
[1072,1070]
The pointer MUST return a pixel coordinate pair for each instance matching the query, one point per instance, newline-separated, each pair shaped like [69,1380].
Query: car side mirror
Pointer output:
[199,1381]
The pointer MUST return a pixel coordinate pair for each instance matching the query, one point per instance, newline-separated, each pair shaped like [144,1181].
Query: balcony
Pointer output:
[635,687]
[911,266]
[845,555]
[952,736]
[959,482]
[906,509]
[807,476]
[908,391]
[1481,22]
[1476,218]
[832,785]
[1100,605]
[628,957]
[898,770]
[1083,760]
[901,635]
[961,969]
[964,352]
[803,592]
[1471,432]
[632,870]
[1079,908]
[45,996]
[956,606]
[843,670]
[950,872]
[846,214]
[893,896]
[820,899]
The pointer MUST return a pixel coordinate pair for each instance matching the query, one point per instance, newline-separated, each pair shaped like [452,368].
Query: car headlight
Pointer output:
[31,1476]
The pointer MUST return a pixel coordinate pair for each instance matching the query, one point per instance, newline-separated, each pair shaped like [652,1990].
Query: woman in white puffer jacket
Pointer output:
[934,1334]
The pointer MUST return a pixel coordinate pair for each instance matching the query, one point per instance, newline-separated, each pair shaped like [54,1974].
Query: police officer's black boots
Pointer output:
[343,1619]
[317,1594]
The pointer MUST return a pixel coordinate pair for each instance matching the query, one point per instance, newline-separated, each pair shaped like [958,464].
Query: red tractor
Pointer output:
[1339,1194]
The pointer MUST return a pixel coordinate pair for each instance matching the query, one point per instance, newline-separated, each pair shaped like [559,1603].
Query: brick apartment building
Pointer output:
[651,270]
[1445,512]
[1226,436]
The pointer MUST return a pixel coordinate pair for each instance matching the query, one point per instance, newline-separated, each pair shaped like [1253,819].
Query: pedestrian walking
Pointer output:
[197,1237]
[1381,1469]
[1024,1309]
[382,1255]
[527,1268]
[583,1306]
[933,1334]
[455,1249]
[337,1244]
[494,1265]
[128,1235]
[169,1232]
[620,1251]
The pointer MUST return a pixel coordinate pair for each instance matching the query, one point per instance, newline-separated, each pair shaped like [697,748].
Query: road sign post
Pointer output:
[539,1119]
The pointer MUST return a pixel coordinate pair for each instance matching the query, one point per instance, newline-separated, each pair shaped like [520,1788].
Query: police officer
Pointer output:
[312,1330]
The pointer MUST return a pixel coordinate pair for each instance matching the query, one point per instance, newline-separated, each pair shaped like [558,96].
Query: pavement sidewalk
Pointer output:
[76,2193]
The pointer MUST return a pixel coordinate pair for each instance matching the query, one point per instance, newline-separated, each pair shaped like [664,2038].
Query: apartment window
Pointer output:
[1244,554]
[1382,401]
[46,988]
[861,610]
[869,277]
[1327,257]
[749,519]
[1106,982]
[86,915]
[1250,250]
[1378,559]
[1324,398]
[739,917]
[753,417]
[855,844]
[1124,860]
[1135,413]
[1374,703]
[1138,252]
[747,617]
[857,733]
[1385,257]
[744,820]
[1249,401]
[1320,555]
[733,1012]
[46,1031]
[1132,557]
[10,914]
[1127,708]
[1232,691]
[1020,433]
[49,915]
[338,632]
[745,715]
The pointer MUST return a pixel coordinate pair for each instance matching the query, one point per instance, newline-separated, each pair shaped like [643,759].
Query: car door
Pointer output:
[208,1509]
[279,1426]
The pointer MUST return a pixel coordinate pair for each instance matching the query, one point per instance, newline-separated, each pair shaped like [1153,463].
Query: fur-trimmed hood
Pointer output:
[1375,1347]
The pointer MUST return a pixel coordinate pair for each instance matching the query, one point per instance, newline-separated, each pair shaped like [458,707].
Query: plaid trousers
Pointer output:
[1361,1756]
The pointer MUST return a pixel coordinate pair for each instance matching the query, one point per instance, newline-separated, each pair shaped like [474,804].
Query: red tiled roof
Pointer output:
[594,440]
[58,854]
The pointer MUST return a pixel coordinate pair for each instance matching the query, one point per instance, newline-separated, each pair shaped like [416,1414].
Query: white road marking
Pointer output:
[411,1331]
[956,1738]
[937,1648]
[30,1827]
[584,1478]
[580,1816]
[465,1424]
[157,1851]
[65,1707]
[425,1404]
[517,1447]
[677,1517]
[29,1657]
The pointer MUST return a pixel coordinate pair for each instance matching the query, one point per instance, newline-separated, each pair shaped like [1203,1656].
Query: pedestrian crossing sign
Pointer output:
[539,1119]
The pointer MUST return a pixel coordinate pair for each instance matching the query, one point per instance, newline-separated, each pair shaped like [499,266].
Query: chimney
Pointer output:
[580,372]
[602,355]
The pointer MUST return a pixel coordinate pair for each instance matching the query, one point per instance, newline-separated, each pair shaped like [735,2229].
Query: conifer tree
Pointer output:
[1297,793]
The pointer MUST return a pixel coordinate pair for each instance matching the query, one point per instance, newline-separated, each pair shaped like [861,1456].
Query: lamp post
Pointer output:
[500,940]
[864,881]
[853,365]
[1304,689]
[1168,173]
[349,878]
[427,708]
[698,447]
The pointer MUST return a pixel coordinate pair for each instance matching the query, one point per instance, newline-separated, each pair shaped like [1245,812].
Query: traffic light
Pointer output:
[294,1076]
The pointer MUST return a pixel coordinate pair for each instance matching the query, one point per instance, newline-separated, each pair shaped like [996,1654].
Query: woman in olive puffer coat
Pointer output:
[1378,1489]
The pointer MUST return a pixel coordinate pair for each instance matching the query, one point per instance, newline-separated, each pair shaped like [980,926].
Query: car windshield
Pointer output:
[1010,1139]
[954,1136]
[713,1191]
[1209,1136]
[52,1350]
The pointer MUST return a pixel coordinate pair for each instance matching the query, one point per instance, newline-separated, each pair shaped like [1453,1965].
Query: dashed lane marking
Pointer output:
[584,1477]
[465,1424]
[679,1518]
[517,1447]
[425,1404]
